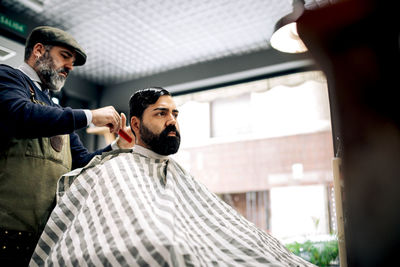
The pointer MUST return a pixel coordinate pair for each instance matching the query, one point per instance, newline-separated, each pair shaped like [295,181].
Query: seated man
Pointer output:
[139,207]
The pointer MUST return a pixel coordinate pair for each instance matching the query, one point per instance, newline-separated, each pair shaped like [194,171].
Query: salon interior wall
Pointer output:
[208,75]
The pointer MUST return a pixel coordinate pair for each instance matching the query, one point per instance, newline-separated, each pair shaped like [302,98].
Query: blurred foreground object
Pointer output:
[356,44]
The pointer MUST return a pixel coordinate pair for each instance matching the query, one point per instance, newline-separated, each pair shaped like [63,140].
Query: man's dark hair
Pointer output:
[141,99]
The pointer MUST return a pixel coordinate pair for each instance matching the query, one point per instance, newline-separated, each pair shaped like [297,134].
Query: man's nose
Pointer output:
[69,65]
[171,120]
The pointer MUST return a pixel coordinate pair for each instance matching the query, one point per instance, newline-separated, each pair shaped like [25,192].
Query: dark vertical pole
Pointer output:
[356,43]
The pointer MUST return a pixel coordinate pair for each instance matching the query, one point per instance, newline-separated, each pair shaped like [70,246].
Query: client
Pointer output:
[139,207]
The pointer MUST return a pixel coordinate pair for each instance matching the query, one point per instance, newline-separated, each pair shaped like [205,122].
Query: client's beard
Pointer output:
[48,75]
[161,144]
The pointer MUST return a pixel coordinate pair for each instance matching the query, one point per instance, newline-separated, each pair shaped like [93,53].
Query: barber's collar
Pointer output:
[31,73]
[148,153]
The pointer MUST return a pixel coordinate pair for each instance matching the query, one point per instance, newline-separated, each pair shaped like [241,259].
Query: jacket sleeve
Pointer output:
[21,118]
[80,155]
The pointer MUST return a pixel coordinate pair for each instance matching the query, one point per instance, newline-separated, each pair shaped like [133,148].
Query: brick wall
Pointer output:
[257,165]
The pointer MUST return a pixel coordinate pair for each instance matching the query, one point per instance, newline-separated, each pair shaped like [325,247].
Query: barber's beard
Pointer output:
[161,144]
[50,77]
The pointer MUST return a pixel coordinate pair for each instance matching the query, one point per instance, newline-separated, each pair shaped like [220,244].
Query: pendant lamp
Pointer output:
[285,37]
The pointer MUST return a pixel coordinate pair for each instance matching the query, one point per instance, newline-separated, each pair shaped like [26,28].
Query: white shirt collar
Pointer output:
[148,153]
[31,73]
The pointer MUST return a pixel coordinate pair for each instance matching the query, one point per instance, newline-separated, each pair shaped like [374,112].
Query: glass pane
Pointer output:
[266,148]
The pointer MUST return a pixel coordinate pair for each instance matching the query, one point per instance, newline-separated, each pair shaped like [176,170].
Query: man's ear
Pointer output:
[38,50]
[135,124]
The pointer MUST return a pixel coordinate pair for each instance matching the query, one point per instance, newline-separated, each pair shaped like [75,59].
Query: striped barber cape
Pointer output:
[137,208]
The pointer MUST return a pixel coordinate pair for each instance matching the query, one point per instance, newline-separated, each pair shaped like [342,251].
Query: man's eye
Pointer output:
[66,56]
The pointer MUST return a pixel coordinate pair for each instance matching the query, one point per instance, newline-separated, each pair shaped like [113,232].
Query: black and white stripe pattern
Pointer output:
[129,209]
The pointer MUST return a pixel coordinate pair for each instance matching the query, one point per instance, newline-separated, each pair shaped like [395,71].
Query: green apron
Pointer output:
[29,171]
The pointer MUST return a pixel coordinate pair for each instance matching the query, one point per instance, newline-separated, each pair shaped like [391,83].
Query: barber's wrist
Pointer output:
[89,116]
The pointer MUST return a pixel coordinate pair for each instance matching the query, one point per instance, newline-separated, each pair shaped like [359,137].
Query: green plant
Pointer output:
[319,253]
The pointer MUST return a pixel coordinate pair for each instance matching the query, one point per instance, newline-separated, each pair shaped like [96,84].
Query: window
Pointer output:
[231,116]
[265,147]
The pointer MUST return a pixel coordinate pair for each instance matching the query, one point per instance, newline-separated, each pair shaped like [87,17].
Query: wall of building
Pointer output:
[258,165]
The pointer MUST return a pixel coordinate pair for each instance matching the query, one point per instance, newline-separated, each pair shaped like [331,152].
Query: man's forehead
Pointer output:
[66,49]
[164,101]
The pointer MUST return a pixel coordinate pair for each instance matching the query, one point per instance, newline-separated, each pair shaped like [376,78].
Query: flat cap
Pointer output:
[53,36]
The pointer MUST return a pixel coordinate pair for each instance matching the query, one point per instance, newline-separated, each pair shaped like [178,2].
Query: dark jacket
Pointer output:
[20,118]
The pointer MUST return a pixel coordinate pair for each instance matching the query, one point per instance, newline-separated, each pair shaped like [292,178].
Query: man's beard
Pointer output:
[48,75]
[161,144]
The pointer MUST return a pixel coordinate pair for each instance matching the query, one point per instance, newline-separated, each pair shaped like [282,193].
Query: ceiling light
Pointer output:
[285,37]
[36,5]
[6,53]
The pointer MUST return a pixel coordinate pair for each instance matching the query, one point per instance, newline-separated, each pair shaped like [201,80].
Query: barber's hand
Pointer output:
[107,116]
[121,142]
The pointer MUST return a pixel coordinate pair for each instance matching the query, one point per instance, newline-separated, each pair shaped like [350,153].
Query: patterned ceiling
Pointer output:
[129,39]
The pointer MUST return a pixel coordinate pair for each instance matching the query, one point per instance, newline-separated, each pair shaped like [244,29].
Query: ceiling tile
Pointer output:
[128,39]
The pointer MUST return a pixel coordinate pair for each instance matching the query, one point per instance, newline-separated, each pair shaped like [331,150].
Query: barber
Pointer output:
[37,139]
